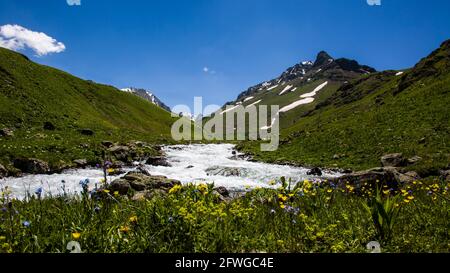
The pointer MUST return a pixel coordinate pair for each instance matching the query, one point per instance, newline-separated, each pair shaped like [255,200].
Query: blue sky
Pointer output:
[164,45]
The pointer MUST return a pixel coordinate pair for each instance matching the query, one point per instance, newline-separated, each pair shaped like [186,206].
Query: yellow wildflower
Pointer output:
[282,197]
[76,235]
[124,229]
[133,219]
[175,189]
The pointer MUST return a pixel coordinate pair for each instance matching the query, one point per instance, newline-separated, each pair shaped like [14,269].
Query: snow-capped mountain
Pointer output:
[147,95]
[324,67]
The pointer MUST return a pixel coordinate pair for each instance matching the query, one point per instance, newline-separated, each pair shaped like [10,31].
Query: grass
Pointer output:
[310,217]
[352,125]
[359,132]
[32,94]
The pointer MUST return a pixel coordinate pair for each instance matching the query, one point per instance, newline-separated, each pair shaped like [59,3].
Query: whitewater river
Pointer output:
[189,164]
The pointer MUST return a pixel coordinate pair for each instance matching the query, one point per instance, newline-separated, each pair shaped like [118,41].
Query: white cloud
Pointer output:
[16,38]
[74,2]
[207,70]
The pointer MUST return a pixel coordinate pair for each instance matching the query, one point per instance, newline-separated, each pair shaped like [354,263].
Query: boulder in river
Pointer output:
[222,191]
[139,182]
[315,171]
[393,160]
[81,163]
[31,165]
[158,161]
[121,153]
[388,176]
[120,185]
[227,171]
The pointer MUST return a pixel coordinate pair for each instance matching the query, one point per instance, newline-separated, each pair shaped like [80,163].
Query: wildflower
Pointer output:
[76,235]
[106,191]
[124,229]
[386,192]
[85,184]
[329,190]
[38,192]
[26,224]
[272,211]
[133,219]
[116,193]
[282,198]
[411,197]
[97,209]
[110,171]
[294,222]
[170,219]
[282,205]
[4,209]
[2,238]
[175,189]
[272,183]
[203,188]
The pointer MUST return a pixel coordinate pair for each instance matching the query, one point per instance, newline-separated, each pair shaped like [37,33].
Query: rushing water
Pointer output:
[189,164]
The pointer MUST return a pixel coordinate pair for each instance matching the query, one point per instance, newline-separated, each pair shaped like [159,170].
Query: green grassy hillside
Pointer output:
[32,95]
[379,113]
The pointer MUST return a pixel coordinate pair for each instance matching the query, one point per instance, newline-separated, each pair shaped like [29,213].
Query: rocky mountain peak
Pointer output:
[323,58]
[147,95]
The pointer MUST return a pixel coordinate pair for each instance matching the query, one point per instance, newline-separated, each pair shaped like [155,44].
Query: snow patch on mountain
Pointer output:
[296,104]
[314,92]
[287,88]
[273,87]
[256,102]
